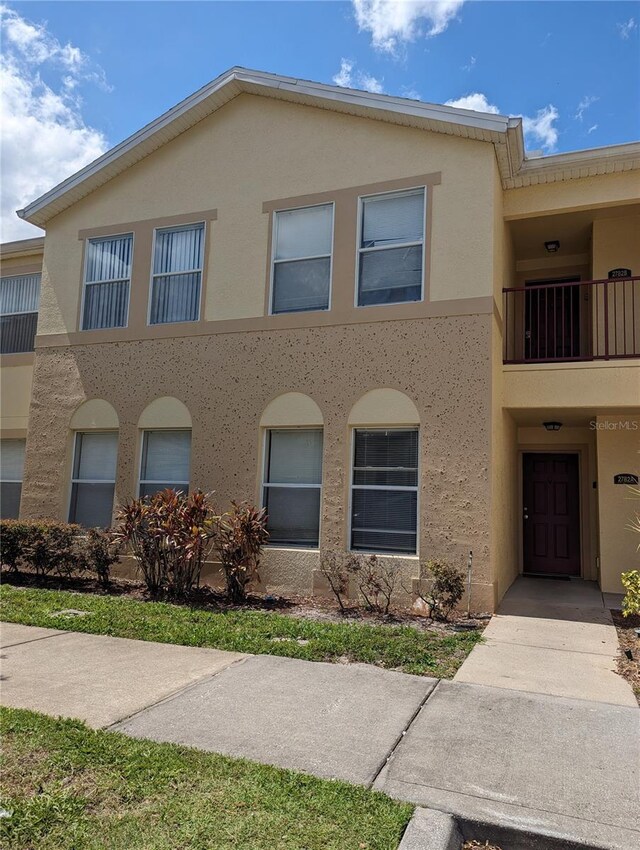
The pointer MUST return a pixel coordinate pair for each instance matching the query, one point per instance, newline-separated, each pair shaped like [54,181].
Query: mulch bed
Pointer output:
[207,598]
[628,668]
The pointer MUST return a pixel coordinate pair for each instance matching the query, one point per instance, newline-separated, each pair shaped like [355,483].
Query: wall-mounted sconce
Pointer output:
[552,426]
[553,246]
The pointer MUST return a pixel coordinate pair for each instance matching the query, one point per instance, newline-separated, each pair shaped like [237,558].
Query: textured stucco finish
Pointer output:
[226,383]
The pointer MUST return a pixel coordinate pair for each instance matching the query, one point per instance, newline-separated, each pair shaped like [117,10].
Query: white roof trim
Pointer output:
[505,133]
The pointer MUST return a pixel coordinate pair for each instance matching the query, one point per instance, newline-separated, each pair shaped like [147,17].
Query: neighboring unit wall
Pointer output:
[618,448]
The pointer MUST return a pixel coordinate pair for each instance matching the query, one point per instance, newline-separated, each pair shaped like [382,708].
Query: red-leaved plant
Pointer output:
[170,536]
[239,536]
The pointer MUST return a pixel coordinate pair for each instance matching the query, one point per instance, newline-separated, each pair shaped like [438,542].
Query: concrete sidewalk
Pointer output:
[565,766]
[551,637]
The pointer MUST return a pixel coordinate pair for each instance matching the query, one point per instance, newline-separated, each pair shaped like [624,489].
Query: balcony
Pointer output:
[572,320]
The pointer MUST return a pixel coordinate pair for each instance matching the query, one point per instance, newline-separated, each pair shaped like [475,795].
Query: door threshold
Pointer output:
[549,577]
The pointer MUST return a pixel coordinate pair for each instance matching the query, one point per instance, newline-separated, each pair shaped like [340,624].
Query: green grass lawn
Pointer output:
[396,647]
[68,787]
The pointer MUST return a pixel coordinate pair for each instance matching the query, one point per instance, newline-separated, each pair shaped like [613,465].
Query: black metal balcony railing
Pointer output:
[572,320]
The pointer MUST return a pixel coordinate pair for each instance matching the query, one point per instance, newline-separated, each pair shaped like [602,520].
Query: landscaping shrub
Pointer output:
[169,534]
[445,587]
[333,566]
[14,534]
[99,551]
[376,580]
[631,601]
[239,536]
[45,546]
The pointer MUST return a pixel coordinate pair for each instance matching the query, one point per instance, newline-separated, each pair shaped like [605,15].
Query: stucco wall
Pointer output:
[227,382]
[256,150]
[618,449]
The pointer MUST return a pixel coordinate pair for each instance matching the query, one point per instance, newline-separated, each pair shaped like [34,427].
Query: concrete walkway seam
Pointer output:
[177,693]
[35,640]
[398,740]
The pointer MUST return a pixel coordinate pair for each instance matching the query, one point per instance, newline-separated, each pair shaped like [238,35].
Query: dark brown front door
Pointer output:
[551,514]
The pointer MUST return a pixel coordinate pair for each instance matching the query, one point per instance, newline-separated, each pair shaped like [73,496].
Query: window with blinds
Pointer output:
[384,491]
[165,461]
[292,485]
[107,281]
[390,255]
[11,469]
[19,300]
[93,478]
[177,275]
[302,259]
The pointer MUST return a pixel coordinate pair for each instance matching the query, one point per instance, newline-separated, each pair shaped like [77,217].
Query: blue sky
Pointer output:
[84,75]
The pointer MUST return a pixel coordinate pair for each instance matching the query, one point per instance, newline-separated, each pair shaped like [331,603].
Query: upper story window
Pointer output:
[301,277]
[177,274]
[106,283]
[391,246]
[19,298]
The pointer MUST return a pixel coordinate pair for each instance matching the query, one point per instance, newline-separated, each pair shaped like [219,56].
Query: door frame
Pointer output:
[567,449]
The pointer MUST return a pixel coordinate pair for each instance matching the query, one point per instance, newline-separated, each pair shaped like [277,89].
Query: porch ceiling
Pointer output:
[570,418]
[573,230]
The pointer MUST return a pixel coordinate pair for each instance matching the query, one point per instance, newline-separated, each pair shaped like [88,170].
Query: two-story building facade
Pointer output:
[374,316]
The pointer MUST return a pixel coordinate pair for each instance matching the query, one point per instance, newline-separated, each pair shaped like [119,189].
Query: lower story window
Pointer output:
[11,466]
[292,486]
[93,479]
[384,497]
[165,461]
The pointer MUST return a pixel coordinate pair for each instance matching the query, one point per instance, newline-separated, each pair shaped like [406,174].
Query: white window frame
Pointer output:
[24,312]
[264,484]
[353,486]
[153,275]
[74,453]
[360,250]
[19,481]
[142,480]
[86,284]
[274,244]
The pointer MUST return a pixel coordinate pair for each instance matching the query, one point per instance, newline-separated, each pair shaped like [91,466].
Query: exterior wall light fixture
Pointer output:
[552,247]
[552,426]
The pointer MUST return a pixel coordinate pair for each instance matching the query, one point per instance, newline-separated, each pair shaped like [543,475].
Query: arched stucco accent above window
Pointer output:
[95,414]
[165,412]
[291,409]
[384,407]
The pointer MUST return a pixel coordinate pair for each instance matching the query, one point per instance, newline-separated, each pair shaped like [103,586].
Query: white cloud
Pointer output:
[351,78]
[542,128]
[45,138]
[476,101]
[584,104]
[592,129]
[469,65]
[394,22]
[627,28]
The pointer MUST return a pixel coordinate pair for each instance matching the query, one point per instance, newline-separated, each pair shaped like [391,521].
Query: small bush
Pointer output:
[239,536]
[14,535]
[333,566]
[445,587]
[376,580]
[169,535]
[631,601]
[99,552]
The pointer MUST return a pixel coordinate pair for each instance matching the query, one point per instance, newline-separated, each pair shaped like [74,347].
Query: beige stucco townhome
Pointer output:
[373,315]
